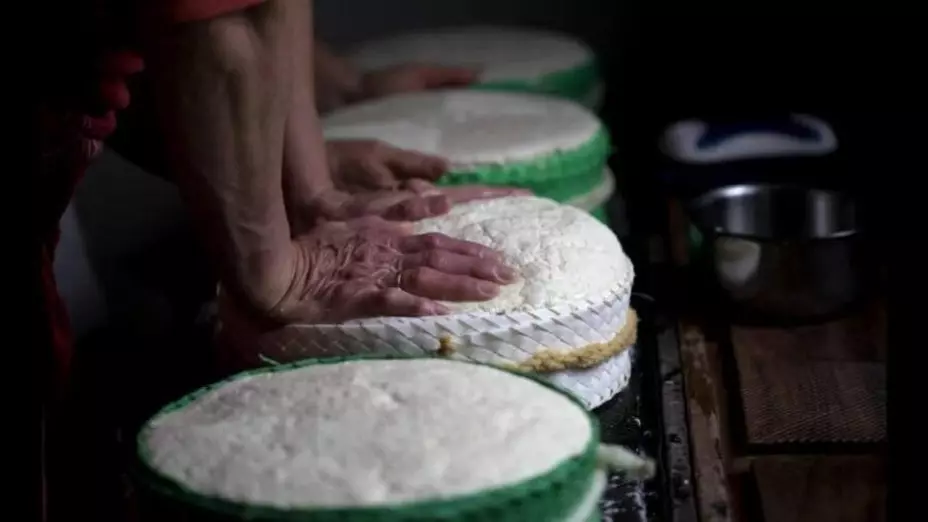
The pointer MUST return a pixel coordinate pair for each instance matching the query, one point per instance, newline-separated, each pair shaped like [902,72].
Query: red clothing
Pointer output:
[77,111]
[70,140]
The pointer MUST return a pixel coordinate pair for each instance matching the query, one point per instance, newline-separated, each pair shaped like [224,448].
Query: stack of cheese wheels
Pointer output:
[567,318]
[553,147]
[512,59]
[376,440]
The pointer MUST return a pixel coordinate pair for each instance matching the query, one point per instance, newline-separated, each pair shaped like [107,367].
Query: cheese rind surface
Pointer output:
[468,128]
[366,433]
[563,255]
[500,54]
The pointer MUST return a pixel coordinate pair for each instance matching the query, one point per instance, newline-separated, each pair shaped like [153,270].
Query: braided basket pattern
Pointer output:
[594,386]
[487,338]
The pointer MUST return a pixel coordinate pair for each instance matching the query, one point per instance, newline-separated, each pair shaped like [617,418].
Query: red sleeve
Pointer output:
[177,11]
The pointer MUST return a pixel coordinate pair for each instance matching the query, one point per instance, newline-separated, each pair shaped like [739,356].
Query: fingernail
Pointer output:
[505,274]
[487,289]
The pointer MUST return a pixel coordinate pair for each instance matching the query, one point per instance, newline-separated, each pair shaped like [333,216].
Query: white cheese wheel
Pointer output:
[366,433]
[469,128]
[573,292]
[500,53]
[562,254]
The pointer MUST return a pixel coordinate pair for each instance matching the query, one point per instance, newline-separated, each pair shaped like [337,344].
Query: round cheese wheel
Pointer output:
[556,148]
[374,439]
[507,58]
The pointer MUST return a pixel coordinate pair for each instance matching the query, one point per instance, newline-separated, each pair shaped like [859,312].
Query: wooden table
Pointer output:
[785,425]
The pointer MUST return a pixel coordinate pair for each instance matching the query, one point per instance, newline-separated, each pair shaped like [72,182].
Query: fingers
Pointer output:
[433,284]
[415,208]
[421,187]
[486,268]
[373,172]
[435,241]
[467,193]
[406,164]
[375,164]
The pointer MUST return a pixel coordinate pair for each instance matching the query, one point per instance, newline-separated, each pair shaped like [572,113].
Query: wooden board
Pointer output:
[707,424]
[821,489]
[814,384]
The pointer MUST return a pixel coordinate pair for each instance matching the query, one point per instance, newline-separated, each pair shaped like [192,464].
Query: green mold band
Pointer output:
[600,214]
[559,176]
[574,84]
[546,498]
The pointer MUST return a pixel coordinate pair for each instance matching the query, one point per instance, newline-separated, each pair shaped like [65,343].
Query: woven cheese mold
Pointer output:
[377,439]
[506,58]
[554,147]
[566,318]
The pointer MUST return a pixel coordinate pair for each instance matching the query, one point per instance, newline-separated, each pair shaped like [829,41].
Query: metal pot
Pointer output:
[783,251]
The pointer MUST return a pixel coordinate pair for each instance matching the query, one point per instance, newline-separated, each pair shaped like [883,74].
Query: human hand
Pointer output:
[371,164]
[414,200]
[371,267]
[414,77]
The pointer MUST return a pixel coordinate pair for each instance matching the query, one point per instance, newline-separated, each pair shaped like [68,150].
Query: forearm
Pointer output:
[306,171]
[335,78]
[224,90]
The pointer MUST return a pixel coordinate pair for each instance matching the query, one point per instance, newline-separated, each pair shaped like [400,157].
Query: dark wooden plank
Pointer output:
[822,488]
[676,428]
[814,384]
[707,437]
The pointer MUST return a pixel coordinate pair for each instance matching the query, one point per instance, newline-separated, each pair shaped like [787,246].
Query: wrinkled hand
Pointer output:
[370,164]
[370,268]
[415,77]
[415,200]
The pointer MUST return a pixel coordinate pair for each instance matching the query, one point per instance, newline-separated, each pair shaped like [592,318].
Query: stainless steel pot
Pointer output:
[784,251]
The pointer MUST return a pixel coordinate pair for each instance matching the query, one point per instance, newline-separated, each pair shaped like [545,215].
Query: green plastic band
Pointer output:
[546,498]
[601,214]
[574,84]
[559,176]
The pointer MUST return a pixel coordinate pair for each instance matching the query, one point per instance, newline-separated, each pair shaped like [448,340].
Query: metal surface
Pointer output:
[639,417]
[633,419]
[782,251]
